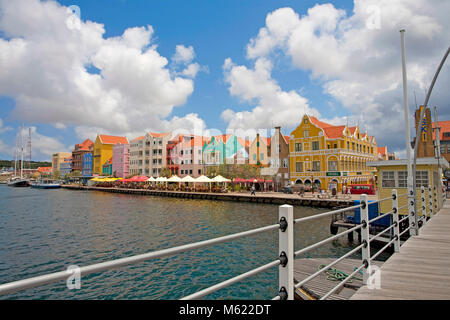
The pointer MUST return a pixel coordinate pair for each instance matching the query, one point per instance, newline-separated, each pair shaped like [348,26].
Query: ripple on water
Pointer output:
[48,230]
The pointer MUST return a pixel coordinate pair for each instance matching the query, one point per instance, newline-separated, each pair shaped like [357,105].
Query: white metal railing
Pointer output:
[285,260]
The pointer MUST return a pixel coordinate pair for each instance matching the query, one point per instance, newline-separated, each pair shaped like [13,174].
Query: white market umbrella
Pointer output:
[204,179]
[219,178]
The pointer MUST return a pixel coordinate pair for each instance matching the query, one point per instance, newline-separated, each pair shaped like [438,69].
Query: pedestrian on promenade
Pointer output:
[253,190]
[343,189]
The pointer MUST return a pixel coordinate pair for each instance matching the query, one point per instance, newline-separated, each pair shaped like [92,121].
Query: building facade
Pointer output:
[103,150]
[86,170]
[78,154]
[65,167]
[328,156]
[185,155]
[148,154]
[107,168]
[259,151]
[278,168]
[121,160]
[57,159]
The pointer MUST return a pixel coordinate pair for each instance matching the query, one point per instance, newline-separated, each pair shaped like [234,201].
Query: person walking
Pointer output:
[253,190]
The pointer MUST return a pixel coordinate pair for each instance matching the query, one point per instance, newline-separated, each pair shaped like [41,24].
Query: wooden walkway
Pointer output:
[321,285]
[421,270]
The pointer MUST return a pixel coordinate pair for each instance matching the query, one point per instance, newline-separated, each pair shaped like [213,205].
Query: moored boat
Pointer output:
[19,182]
[46,184]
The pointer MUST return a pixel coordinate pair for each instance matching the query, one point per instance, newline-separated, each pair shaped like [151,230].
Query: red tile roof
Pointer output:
[158,135]
[138,138]
[286,138]
[85,145]
[382,150]
[105,139]
[444,126]
[44,169]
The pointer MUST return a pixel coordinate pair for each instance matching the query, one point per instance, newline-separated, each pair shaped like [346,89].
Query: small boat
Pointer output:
[18,182]
[46,184]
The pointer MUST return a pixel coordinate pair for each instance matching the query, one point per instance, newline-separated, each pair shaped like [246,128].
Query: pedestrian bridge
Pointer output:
[421,269]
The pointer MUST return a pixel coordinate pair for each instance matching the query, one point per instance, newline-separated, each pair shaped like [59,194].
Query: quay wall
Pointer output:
[259,198]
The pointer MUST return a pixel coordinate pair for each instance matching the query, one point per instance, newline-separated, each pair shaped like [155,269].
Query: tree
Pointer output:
[165,172]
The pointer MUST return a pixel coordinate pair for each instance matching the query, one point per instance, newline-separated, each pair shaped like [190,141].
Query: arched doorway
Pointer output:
[298,181]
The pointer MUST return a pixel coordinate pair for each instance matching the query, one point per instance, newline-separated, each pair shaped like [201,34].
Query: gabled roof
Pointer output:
[158,135]
[137,139]
[84,146]
[334,132]
[106,139]
[286,138]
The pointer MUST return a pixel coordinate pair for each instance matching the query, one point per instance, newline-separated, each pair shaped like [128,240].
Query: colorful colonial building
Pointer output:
[325,155]
[78,154]
[148,154]
[278,153]
[103,150]
[185,156]
[86,170]
[121,160]
[65,167]
[57,159]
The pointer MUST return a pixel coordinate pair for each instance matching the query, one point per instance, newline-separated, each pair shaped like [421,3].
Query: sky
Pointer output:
[70,70]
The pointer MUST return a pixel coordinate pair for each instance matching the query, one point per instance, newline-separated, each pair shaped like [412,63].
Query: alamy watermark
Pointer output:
[74,279]
[73,22]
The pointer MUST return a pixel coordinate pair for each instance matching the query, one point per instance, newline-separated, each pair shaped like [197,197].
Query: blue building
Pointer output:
[87,165]
[65,167]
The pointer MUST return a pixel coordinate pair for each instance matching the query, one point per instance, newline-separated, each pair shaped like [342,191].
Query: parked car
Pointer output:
[362,188]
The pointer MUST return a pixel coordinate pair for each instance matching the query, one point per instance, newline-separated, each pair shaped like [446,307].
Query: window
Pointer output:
[261,156]
[335,146]
[299,167]
[442,150]
[421,179]
[402,179]
[315,145]
[285,163]
[190,171]
[332,166]
[316,166]
[388,180]
[182,171]
[348,145]
[199,171]
[306,121]
[305,133]
[298,147]
[353,146]
[254,156]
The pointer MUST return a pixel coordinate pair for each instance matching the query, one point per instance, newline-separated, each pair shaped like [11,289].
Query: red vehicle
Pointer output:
[362,188]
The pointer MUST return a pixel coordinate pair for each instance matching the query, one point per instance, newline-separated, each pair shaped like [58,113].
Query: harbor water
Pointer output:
[44,231]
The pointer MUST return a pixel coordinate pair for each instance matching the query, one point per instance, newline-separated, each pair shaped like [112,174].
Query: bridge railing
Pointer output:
[284,261]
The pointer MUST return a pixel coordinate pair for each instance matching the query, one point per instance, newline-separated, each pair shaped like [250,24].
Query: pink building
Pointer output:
[121,160]
[184,155]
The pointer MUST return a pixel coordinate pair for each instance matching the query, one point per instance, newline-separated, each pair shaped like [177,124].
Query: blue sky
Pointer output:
[217,30]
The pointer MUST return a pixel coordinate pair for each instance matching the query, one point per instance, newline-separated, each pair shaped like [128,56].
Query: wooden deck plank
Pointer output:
[320,285]
[421,269]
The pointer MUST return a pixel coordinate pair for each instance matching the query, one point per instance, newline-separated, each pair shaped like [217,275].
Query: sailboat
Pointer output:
[19,181]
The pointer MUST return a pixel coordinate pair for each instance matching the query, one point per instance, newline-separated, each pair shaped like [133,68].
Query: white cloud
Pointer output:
[44,68]
[273,105]
[2,128]
[183,54]
[360,66]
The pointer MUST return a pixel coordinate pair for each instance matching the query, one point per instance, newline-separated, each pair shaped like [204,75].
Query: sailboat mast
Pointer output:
[15,157]
[21,153]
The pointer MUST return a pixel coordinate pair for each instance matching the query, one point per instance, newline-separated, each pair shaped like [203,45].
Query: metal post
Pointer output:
[435,200]
[430,202]
[365,237]
[286,250]
[424,204]
[395,221]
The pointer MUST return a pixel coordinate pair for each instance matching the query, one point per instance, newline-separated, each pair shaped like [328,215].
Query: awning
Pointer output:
[188,179]
[135,179]
[174,179]
[219,178]
[203,179]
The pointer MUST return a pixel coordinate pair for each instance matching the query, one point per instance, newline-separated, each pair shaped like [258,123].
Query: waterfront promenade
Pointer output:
[308,199]
[421,269]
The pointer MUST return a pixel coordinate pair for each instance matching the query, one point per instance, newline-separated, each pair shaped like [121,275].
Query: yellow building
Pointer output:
[392,174]
[325,155]
[103,150]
